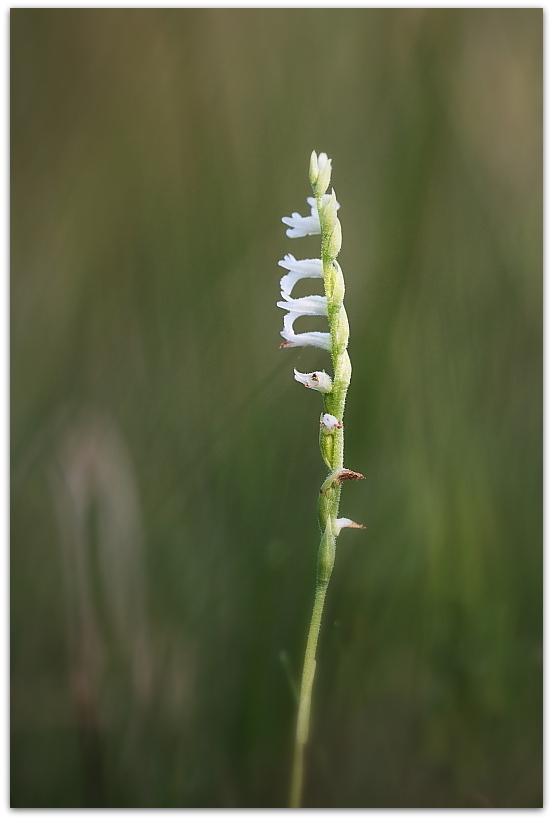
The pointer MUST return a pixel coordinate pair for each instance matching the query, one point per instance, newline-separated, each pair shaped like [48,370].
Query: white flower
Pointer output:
[305,225]
[299,269]
[317,380]
[302,225]
[314,338]
[305,305]
[330,423]
[340,523]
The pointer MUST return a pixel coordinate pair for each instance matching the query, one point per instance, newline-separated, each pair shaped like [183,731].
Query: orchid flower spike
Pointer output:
[323,220]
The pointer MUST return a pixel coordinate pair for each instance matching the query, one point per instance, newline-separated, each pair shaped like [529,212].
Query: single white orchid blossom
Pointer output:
[314,338]
[299,269]
[305,305]
[302,225]
[316,380]
[299,225]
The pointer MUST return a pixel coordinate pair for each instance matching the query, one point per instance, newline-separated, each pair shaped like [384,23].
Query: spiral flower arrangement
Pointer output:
[322,221]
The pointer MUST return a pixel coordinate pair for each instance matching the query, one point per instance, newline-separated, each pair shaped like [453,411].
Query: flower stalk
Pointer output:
[324,221]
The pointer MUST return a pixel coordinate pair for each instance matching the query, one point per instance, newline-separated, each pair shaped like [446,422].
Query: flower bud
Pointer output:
[331,229]
[341,337]
[329,424]
[329,212]
[320,169]
[313,168]
[337,285]
[325,558]
[334,242]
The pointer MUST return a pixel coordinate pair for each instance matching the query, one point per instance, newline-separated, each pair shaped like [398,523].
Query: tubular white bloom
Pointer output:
[330,423]
[305,225]
[307,267]
[305,305]
[299,269]
[340,523]
[317,380]
[314,338]
[301,225]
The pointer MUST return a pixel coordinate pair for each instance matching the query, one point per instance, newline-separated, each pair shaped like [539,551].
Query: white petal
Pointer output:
[302,225]
[313,338]
[322,160]
[307,267]
[316,380]
[299,269]
[305,305]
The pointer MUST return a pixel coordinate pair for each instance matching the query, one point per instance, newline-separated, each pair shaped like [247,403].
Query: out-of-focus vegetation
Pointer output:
[165,465]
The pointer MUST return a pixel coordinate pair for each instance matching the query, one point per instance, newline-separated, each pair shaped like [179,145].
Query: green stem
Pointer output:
[309,664]
[325,565]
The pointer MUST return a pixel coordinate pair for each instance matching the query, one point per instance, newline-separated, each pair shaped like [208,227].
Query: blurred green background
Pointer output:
[165,465]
